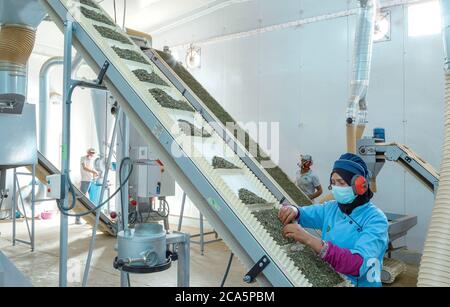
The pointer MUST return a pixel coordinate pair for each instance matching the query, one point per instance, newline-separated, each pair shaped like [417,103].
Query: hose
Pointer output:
[225,276]
[72,190]
[435,265]
[356,113]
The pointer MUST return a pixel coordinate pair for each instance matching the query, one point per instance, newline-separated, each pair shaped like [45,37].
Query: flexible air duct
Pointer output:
[18,22]
[435,266]
[357,107]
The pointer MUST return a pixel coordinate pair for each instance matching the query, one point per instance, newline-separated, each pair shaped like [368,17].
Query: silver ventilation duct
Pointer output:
[18,22]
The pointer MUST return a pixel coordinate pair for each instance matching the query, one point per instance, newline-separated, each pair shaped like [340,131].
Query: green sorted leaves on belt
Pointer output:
[90,3]
[269,220]
[96,16]
[274,171]
[221,163]
[191,130]
[250,198]
[318,273]
[111,34]
[145,76]
[130,55]
[166,101]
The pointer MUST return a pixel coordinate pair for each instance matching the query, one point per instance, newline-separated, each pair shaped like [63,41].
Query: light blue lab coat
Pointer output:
[364,232]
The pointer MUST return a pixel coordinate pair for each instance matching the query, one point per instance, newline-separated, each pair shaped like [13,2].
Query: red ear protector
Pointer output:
[359,185]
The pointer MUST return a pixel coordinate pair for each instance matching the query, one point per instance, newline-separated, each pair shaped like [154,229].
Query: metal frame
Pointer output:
[69,86]
[15,201]
[181,244]
[124,152]
[202,233]
[375,154]
[102,194]
[207,198]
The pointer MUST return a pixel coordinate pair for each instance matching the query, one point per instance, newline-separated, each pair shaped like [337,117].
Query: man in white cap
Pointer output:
[88,173]
[306,180]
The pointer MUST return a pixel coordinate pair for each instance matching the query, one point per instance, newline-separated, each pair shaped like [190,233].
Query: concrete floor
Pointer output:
[41,266]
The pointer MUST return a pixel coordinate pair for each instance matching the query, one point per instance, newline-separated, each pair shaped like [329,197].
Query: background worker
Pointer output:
[306,180]
[88,174]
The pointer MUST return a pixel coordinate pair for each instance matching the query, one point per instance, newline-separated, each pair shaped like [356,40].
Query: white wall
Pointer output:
[300,78]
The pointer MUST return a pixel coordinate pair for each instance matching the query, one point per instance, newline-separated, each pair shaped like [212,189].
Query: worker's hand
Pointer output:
[297,233]
[287,214]
[95,174]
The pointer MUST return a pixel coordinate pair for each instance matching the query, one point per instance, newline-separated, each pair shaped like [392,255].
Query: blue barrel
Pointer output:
[379,133]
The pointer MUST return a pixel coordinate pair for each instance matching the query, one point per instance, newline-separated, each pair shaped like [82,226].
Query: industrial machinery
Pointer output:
[215,192]
[149,185]
[18,22]
[149,249]
[160,106]
[375,152]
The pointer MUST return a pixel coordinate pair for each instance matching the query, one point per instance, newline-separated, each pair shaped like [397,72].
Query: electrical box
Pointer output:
[55,186]
[152,179]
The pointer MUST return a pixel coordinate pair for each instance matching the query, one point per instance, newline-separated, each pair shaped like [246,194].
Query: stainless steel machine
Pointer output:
[375,152]
[149,249]
[18,22]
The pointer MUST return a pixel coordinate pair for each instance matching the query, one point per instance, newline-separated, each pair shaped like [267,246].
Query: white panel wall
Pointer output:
[299,77]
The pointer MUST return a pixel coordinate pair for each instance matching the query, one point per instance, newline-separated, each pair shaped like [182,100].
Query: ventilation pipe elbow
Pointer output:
[356,113]
[435,265]
[44,92]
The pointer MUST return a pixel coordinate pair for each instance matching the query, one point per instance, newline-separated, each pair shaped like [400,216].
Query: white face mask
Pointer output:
[343,195]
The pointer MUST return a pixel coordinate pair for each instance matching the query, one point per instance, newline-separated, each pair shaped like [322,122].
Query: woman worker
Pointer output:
[354,231]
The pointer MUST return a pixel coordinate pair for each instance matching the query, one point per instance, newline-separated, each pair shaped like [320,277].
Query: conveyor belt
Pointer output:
[46,168]
[188,158]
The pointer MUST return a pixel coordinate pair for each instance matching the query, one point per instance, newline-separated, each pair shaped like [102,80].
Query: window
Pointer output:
[424,18]
[383,27]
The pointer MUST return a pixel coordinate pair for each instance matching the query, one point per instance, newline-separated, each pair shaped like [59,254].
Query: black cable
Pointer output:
[65,210]
[166,205]
[120,179]
[128,280]
[72,191]
[227,271]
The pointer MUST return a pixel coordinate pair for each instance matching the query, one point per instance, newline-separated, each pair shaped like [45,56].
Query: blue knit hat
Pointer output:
[353,164]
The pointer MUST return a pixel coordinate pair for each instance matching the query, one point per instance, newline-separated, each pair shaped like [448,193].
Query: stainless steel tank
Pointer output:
[143,246]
